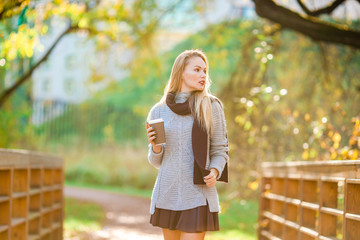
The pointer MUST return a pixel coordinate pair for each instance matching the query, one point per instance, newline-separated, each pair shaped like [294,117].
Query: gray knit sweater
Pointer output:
[174,188]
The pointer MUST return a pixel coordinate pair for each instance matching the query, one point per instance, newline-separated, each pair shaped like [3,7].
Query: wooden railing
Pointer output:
[31,195]
[310,200]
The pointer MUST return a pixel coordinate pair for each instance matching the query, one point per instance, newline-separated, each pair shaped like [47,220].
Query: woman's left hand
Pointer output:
[210,179]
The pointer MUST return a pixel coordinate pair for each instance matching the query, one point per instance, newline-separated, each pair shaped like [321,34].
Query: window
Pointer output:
[69,86]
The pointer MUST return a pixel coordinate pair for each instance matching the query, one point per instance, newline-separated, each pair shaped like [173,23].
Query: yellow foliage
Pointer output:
[20,44]
[305,155]
[295,114]
[352,140]
[354,154]
[307,117]
[336,138]
[253,185]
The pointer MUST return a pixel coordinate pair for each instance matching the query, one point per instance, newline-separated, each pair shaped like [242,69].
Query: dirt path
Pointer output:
[126,217]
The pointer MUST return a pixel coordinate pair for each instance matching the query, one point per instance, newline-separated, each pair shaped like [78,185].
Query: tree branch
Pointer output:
[311,27]
[327,10]
[7,93]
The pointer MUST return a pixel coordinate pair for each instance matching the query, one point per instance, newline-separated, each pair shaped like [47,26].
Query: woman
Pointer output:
[184,201]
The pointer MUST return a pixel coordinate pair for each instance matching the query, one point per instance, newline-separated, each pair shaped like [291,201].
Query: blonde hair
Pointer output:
[200,101]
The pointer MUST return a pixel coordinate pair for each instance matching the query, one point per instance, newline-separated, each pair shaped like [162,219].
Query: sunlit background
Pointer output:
[77,79]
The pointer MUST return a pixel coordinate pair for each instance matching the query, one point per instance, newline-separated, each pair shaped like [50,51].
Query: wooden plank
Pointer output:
[308,218]
[273,196]
[352,196]
[331,179]
[5,182]
[55,225]
[45,231]
[292,212]
[35,178]
[291,224]
[312,206]
[269,235]
[34,237]
[4,198]
[327,224]
[329,194]
[21,180]
[354,217]
[18,231]
[34,226]
[333,163]
[47,188]
[277,207]
[352,230]
[327,238]
[290,233]
[295,202]
[4,228]
[332,211]
[353,180]
[310,191]
[17,221]
[35,203]
[46,220]
[19,207]
[274,217]
[47,199]
[292,188]
[33,215]
[34,191]
[56,206]
[18,194]
[309,231]
[45,210]
[277,186]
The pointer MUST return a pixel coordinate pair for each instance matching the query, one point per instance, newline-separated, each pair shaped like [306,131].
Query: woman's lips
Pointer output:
[202,83]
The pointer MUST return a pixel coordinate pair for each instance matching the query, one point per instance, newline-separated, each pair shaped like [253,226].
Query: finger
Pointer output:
[211,181]
[151,134]
[152,139]
[209,176]
[147,125]
[150,129]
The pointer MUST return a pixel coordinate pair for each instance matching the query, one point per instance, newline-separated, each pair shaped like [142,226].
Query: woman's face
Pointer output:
[194,75]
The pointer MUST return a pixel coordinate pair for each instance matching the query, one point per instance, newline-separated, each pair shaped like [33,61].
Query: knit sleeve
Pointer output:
[218,139]
[155,159]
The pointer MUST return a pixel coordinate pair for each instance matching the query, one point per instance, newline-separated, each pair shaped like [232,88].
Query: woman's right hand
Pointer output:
[151,137]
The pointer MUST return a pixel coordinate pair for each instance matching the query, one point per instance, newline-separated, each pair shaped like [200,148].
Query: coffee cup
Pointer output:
[158,126]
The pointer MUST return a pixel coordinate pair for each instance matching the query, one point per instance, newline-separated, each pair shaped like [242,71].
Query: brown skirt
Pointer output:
[194,220]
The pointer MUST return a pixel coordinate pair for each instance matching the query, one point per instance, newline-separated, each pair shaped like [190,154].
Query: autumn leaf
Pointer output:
[336,137]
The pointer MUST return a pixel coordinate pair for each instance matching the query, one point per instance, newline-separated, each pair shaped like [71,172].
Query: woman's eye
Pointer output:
[196,70]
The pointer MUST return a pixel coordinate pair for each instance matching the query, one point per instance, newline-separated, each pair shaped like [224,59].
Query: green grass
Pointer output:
[238,220]
[82,216]
[229,234]
[115,189]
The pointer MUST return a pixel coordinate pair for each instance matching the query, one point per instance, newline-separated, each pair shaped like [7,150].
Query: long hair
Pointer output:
[200,101]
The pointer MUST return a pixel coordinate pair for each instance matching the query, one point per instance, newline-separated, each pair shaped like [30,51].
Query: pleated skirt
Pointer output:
[194,220]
